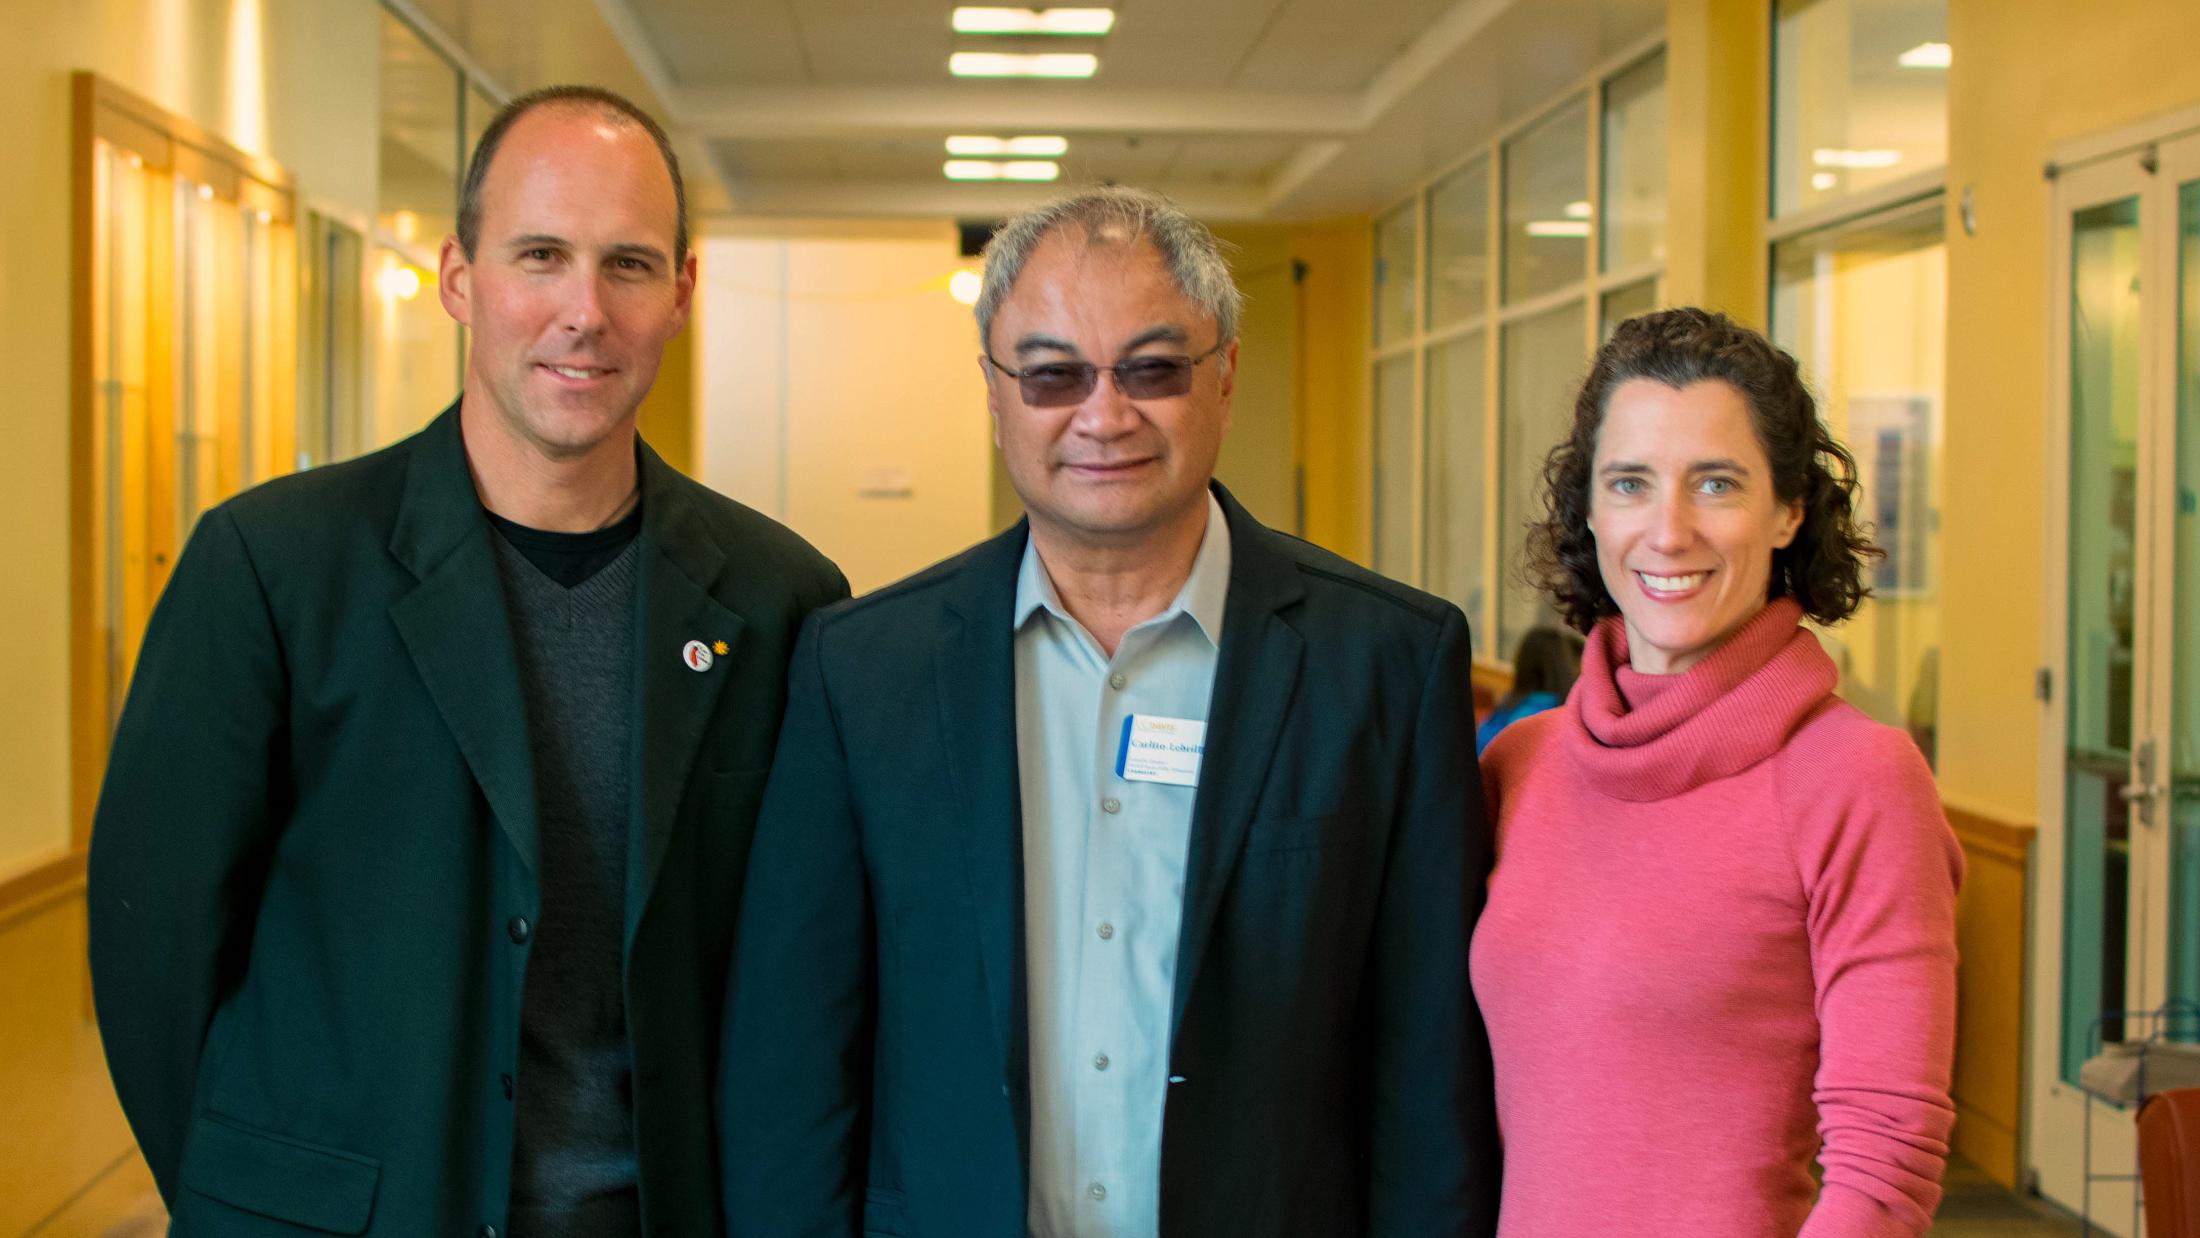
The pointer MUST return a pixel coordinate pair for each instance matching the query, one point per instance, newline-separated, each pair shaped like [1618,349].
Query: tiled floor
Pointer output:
[1977,1207]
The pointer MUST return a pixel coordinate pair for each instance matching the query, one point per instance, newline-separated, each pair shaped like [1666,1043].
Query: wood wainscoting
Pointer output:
[1993,917]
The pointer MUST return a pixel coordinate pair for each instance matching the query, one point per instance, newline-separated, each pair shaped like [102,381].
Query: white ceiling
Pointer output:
[1241,109]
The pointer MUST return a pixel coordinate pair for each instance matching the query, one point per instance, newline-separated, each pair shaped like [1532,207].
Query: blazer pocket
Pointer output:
[278,1177]
[882,1214]
[1278,834]
[738,789]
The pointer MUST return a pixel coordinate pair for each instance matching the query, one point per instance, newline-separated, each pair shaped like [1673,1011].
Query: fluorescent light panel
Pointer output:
[1826,157]
[1014,170]
[1031,147]
[1085,22]
[1926,56]
[1558,228]
[1014,64]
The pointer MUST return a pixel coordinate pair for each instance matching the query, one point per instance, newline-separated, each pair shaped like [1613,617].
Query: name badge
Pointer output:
[1157,749]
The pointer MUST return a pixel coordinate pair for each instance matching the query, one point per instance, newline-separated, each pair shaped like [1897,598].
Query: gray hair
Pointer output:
[1112,214]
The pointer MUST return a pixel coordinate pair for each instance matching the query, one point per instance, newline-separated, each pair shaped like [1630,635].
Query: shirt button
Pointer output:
[1100,1061]
[1097,1191]
[1106,930]
[1119,681]
[1111,804]
[520,930]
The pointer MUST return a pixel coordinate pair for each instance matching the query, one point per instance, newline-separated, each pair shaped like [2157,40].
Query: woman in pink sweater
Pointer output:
[1720,937]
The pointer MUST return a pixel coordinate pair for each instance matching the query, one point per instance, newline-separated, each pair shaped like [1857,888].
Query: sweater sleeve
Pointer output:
[1880,869]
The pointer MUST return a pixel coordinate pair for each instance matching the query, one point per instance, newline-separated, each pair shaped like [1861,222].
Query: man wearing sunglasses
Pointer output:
[1115,877]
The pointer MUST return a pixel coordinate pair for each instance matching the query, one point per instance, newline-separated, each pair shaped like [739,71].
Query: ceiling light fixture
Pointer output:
[1925,56]
[1579,210]
[1015,170]
[965,286]
[1012,64]
[1076,22]
[397,281]
[1034,147]
[1558,228]
[1826,157]
[1823,181]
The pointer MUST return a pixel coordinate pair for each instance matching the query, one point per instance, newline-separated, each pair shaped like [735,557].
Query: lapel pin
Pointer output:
[720,647]
[697,655]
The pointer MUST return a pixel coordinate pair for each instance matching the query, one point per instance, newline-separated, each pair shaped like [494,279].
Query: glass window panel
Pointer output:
[129,553]
[2184,765]
[418,192]
[1623,303]
[1634,166]
[206,369]
[1542,367]
[1848,111]
[1394,467]
[1459,245]
[1453,475]
[329,418]
[1863,310]
[1396,277]
[2104,439]
[1547,212]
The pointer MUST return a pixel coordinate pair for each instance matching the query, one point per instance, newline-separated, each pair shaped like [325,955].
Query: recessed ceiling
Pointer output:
[1242,109]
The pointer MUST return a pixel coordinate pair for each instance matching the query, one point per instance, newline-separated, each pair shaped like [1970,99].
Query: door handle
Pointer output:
[2142,790]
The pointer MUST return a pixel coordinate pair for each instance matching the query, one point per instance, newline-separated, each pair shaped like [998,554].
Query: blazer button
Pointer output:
[520,930]
[506,1081]
[486,1231]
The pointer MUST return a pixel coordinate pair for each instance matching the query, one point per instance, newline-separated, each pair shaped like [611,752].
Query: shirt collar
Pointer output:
[1203,596]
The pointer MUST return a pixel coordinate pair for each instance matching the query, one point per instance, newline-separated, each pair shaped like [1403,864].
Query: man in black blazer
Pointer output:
[1115,877]
[411,879]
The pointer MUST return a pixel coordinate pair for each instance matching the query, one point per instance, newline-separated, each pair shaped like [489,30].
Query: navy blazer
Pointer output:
[1329,1070]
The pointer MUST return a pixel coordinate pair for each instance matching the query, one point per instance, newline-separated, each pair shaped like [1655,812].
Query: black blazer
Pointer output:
[1335,1076]
[317,841]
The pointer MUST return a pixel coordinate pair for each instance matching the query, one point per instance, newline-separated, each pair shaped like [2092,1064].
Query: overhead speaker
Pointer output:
[975,233]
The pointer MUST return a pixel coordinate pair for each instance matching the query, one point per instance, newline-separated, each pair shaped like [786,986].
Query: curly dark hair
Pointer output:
[1824,568]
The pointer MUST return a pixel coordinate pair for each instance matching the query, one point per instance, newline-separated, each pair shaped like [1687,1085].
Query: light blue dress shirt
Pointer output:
[1104,863]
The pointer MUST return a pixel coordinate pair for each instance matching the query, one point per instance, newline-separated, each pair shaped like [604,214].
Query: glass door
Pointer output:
[2172,790]
[2118,930]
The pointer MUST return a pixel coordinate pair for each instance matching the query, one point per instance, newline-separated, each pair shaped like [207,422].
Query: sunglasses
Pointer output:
[1052,384]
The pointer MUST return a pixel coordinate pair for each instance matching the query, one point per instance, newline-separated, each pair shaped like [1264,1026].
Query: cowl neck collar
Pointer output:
[1647,737]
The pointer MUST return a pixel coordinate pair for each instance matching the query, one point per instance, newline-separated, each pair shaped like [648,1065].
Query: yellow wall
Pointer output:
[1335,427]
[1718,80]
[257,73]
[1259,461]
[2028,75]
[667,419]
[834,366]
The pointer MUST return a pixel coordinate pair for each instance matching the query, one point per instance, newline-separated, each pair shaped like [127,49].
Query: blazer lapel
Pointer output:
[1256,671]
[680,562]
[455,625]
[974,670]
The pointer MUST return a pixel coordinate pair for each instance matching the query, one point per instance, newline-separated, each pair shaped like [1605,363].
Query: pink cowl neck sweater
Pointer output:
[1720,938]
